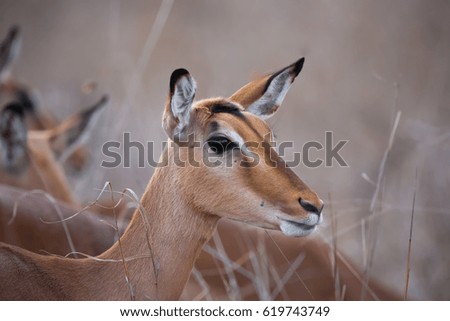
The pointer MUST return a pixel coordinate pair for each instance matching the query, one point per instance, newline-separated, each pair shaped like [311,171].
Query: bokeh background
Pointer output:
[365,61]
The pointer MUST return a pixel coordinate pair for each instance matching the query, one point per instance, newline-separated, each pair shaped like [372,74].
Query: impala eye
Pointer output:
[221,144]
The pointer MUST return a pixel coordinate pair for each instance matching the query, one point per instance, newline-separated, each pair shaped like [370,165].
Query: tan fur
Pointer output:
[29,226]
[176,234]
[250,92]
[43,171]
[271,181]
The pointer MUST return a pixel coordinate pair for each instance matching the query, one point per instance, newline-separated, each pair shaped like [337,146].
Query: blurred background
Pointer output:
[365,61]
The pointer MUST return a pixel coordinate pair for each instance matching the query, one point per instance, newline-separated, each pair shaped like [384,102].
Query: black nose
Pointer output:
[307,206]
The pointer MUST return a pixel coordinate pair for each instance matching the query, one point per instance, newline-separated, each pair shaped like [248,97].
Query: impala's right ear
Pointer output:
[264,96]
[65,138]
[179,104]
[9,50]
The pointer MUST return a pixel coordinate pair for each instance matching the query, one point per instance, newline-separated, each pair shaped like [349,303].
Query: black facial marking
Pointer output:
[16,108]
[13,135]
[221,144]
[232,109]
[227,108]
[27,101]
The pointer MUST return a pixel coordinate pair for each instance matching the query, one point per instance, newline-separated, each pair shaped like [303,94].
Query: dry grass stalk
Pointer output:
[408,267]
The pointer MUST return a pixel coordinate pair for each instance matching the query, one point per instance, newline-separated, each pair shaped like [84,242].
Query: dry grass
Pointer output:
[408,267]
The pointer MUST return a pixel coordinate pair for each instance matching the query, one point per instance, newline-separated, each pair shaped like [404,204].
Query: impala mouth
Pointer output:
[296,229]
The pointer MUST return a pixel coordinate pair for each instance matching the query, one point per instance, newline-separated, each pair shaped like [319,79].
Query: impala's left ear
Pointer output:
[9,50]
[178,107]
[264,96]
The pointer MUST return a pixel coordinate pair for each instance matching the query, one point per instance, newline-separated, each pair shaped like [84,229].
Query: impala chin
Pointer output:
[296,229]
[300,226]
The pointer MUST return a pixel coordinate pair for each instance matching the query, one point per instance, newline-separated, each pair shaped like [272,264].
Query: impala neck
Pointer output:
[165,241]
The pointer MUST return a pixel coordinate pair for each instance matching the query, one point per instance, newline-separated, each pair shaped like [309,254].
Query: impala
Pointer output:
[12,90]
[182,204]
[15,91]
[28,159]
[88,233]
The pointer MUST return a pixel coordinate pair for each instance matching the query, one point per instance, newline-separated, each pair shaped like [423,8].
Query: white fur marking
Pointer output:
[182,99]
[266,106]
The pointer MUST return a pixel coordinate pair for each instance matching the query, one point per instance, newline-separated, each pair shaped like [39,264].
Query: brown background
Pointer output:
[364,61]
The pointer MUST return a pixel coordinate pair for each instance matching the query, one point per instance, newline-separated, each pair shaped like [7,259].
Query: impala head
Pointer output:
[13,139]
[29,158]
[10,90]
[250,182]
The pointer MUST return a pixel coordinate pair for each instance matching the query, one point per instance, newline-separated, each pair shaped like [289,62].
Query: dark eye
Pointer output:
[220,144]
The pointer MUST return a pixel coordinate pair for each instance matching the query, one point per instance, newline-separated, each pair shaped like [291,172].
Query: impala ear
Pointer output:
[264,96]
[73,132]
[9,50]
[13,138]
[179,104]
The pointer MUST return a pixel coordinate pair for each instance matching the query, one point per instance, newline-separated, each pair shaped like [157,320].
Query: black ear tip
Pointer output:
[14,30]
[13,34]
[99,105]
[177,74]
[104,99]
[298,65]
